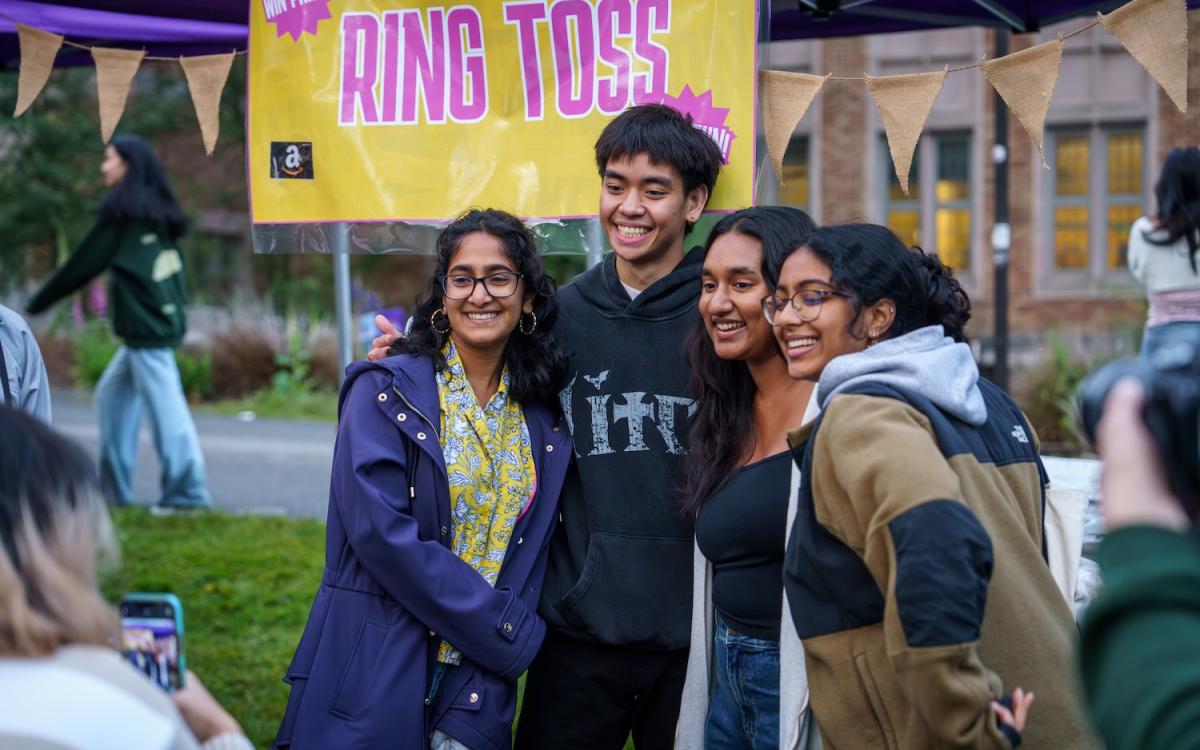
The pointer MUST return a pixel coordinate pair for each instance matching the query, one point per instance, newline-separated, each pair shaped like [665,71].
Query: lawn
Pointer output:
[246,583]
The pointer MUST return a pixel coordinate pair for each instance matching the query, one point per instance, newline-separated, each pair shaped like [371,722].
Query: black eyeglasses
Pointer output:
[461,286]
[806,303]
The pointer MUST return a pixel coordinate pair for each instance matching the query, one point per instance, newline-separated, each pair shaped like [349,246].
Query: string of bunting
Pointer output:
[1155,32]
[115,69]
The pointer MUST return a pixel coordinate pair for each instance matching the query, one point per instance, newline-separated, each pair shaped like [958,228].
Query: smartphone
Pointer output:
[152,637]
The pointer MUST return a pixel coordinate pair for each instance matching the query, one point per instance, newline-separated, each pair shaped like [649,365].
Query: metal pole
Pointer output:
[1001,231]
[341,295]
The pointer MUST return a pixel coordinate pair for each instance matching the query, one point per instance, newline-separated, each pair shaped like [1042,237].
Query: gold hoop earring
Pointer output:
[433,321]
[532,324]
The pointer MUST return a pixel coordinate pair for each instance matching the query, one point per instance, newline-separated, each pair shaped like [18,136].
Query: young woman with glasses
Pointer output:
[914,569]
[738,694]
[446,476]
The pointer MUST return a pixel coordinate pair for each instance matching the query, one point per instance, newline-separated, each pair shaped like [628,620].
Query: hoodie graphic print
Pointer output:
[620,563]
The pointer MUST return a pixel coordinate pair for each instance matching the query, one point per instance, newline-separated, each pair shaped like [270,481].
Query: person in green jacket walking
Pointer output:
[135,240]
[1140,648]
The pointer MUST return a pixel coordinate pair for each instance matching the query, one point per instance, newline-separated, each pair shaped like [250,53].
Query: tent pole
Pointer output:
[341,295]
[1001,230]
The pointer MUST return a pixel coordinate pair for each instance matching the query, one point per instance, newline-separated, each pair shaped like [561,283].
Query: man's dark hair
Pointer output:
[667,137]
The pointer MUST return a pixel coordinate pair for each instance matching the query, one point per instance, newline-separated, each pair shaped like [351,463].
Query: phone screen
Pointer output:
[150,641]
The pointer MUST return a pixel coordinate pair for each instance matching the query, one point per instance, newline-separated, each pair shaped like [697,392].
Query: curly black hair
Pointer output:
[537,364]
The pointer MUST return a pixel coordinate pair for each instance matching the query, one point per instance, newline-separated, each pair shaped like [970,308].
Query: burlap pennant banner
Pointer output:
[904,103]
[1155,32]
[206,76]
[785,98]
[38,49]
[115,69]
[1026,81]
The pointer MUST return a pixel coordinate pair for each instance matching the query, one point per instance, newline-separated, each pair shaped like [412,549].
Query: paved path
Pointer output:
[264,466]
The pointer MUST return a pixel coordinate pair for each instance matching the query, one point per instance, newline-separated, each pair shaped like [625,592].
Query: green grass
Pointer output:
[246,584]
[313,406]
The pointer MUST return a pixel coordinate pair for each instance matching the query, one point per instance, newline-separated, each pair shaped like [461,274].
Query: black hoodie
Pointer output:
[621,560]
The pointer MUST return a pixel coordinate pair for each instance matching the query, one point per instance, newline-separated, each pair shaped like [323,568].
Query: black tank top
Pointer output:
[740,529]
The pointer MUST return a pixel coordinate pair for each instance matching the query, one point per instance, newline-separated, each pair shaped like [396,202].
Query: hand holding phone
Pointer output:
[152,637]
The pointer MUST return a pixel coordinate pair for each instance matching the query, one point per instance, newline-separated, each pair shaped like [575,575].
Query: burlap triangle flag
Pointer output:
[38,49]
[206,76]
[115,69]
[1155,32]
[785,98]
[1026,80]
[904,103]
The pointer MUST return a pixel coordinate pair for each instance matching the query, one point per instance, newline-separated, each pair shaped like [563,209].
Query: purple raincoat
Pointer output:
[392,588]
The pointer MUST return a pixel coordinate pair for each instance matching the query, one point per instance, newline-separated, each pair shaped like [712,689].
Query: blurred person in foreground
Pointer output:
[135,239]
[1141,638]
[62,684]
[23,382]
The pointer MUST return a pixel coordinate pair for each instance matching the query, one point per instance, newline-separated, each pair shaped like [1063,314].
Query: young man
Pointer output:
[617,596]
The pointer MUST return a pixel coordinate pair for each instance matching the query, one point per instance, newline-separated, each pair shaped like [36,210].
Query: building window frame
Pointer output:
[923,195]
[1097,277]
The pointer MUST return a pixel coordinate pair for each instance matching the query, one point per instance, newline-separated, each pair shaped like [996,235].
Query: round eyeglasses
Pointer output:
[806,303]
[461,286]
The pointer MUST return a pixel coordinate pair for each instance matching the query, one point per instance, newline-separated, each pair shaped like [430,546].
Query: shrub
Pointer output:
[195,370]
[95,346]
[243,360]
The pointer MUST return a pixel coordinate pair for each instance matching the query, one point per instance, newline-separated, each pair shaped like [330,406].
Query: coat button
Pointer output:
[432,634]
[521,540]
[508,627]
[473,697]
[445,531]
[549,448]
[382,397]
[555,428]
[420,436]
[401,416]
[428,702]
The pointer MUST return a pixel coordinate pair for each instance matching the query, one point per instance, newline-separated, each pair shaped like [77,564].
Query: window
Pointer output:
[795,189]
[1097,192]
[936,214]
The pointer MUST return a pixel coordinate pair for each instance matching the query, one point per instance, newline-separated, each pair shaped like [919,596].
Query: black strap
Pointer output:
[8,397]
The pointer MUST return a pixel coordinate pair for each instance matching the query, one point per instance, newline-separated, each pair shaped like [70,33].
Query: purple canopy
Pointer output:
[167,28]
[808,19]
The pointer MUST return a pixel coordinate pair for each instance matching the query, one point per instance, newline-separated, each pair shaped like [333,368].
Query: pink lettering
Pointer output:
[526,16]
[614,19]
[652,16]
[468,69]
[424,56]
[360,67]
[391,65]
[574,95]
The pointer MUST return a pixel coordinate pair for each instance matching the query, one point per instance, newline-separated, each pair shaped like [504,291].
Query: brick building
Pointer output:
[1108,129]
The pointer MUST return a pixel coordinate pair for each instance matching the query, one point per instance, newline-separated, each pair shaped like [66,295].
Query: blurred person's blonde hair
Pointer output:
[54,533]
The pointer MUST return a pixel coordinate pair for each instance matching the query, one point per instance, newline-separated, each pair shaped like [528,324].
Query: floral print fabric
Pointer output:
[489,461]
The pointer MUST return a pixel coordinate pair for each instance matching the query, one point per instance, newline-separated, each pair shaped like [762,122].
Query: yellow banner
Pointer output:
[368,110]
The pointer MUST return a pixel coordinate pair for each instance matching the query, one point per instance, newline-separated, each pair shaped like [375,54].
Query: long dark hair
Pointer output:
[143,194]
[723,426]
[1178,194]
[871,263]
[537,365]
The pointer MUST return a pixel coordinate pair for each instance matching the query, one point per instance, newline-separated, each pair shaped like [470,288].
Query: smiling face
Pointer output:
[482,323]
[810,345]
[113,167]
[731,292]
[644,210]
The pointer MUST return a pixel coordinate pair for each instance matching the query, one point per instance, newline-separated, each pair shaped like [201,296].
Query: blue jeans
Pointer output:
[138,379]
[743,712]
[1155,336]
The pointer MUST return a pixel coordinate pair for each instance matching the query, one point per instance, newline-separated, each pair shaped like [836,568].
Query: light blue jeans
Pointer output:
[138,379]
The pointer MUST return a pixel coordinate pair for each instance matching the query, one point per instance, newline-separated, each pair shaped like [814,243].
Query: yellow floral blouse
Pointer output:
[489,460]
